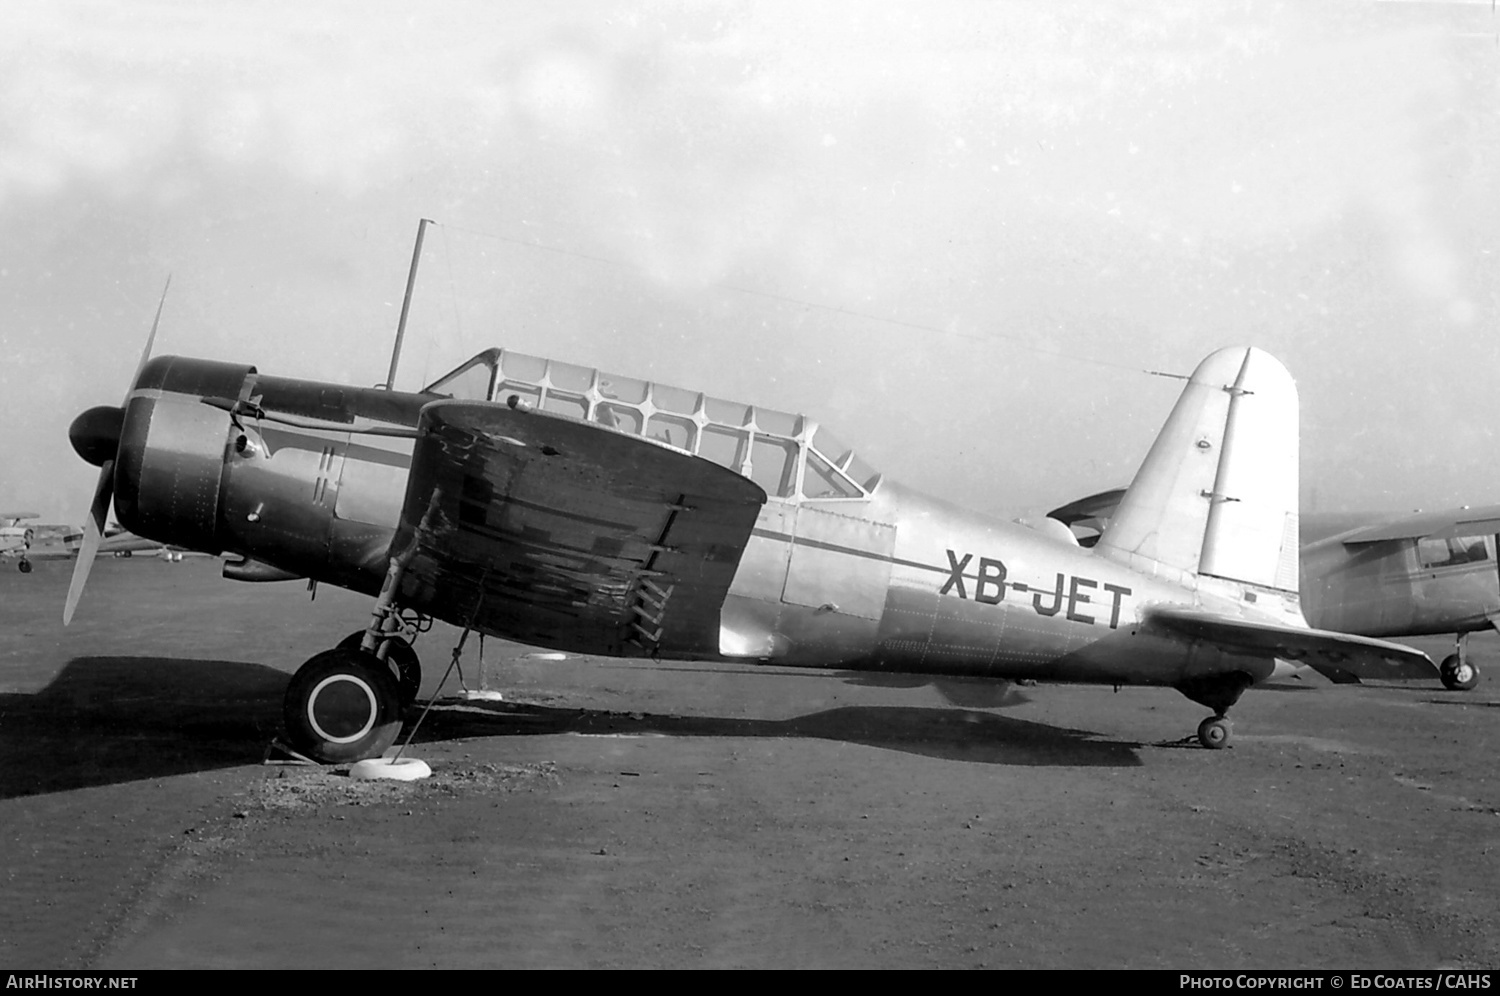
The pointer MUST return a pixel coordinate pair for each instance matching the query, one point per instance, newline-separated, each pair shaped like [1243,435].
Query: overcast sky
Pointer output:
[956,232]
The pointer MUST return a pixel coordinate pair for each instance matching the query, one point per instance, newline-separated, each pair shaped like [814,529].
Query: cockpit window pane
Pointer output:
[777,423]
[626,389]
[831,447]
[726,412]
[621,417]
[671,430]
[725,447]
[822,481]
[773,465]
[863,474]
[569,376]
[674,399]
[470,382]
[566,404]
[519,366]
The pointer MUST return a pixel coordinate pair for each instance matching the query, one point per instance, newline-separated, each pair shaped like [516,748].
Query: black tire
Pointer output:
[1214,733]
[24,567]
[406,667]
[341,706]
[1458,676]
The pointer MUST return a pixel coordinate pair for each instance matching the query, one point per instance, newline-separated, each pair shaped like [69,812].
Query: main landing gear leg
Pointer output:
[1457,673]
[346,704]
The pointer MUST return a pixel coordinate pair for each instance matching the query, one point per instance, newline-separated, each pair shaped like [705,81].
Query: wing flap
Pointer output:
[1324,651]
[554,531]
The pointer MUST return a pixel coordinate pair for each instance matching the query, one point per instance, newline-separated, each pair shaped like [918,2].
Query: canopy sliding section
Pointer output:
[791,457]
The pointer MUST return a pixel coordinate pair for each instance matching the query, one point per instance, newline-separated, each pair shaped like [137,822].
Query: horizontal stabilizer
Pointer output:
[1480,521]
[1093,511]
[1319,649]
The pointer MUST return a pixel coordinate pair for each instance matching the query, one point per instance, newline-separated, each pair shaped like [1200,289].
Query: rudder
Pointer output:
[1217,494]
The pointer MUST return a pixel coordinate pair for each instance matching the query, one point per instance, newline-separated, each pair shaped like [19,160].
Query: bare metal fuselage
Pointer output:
[894,581]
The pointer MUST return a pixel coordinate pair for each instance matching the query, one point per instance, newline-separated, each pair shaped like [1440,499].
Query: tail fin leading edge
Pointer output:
[1217,494]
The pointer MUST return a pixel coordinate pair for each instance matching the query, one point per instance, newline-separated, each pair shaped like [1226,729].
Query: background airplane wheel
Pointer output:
[342,705]
[1213,733]
[24,567]
[405,665]
[1458,676]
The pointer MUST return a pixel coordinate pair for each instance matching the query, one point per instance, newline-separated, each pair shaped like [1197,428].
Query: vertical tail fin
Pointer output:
[1217,494]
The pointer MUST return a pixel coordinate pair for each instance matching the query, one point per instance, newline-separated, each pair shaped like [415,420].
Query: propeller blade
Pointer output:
[150,339]
[93,531]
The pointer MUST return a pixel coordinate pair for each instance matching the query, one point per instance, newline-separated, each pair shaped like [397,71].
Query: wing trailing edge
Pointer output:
[1331,654]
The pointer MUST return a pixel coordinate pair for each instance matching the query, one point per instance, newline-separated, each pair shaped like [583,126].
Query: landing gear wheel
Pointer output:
[24,567]
[1458,674]
[342,705]
[1214,732]
[406,667]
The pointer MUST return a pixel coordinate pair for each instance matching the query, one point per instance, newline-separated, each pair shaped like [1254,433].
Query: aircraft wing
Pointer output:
[570,534]
[1331,654]
[1482,520]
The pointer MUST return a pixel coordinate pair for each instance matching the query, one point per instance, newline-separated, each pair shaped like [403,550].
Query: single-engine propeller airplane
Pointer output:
[1380,573]
[35,541]
[560,506]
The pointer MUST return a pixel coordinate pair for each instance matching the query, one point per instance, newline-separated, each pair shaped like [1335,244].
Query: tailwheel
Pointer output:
[1458,674]
[1214,732]
[342,705]
[404,664]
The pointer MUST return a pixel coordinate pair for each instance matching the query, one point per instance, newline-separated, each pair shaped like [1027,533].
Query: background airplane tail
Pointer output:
[1217,494]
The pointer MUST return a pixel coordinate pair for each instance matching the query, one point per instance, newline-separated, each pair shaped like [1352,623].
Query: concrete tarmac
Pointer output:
[629,814]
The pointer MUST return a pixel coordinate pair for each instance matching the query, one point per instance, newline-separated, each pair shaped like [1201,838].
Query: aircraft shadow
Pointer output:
[951,734]
[108,720]
[105,720]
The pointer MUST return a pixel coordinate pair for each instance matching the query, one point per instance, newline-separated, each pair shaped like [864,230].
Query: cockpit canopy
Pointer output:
[791,456]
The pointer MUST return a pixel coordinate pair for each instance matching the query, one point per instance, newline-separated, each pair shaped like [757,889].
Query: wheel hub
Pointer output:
[342,708]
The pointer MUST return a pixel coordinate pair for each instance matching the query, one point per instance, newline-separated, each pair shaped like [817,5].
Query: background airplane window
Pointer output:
[773,464]
[1448,552]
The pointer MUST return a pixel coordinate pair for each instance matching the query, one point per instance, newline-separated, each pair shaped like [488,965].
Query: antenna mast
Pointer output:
[411,283]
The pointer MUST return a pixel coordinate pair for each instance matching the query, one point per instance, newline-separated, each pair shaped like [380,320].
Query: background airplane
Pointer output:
[562,506]
[1379,573]
[36,541]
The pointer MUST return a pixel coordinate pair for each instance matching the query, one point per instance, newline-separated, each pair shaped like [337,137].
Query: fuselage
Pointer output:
[853,572]
[1398,587]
